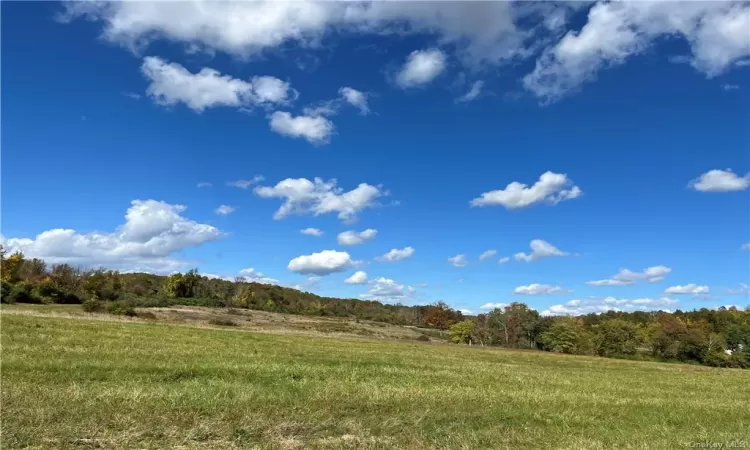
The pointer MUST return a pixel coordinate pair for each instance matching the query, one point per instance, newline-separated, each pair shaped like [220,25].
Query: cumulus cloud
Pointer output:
[387,290]
[491,306]
[204,184]
[627,277]
[356,237]
[473,93]
[616,31]
[359,277]
[396,254]
[171,84]
[539,289]
[225,210]
[244,184]
[503,260]
[421,67]
[720,181]
[312,232]
[539,249]
[458,261]
[251,275]
[153,231]
[487,254]
[316,129]
[302,196]
[322,263]
[687,289]
[481,32]
[551,188]
[587,306]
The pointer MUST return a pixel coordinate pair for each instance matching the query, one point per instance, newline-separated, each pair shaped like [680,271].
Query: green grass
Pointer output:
[70,383]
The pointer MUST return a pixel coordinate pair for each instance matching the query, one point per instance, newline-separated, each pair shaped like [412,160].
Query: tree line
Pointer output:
[712,337]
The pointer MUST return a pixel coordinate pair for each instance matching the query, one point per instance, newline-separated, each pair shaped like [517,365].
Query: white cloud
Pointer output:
[539,289]
[396,254]
[170,84]
[579,307]
[385,289]
[253,276]
[466,312]
[503,260]
[551,188]
[312,232]
[720,181]
[473,93]
[315,129]
[204,184]
[356,237]
[729,87]
[615,31]
[687,289]
[745,246]
[355,98]
[627,277]
[225,210]
[490,306]
[244,184]
[458,260]
[152,232]
[322,263]
[317,197]
[481,32]
[539,249]
[359,277]
[487,254]
[421,67]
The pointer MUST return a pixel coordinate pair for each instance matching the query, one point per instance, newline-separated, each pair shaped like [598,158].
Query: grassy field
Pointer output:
[71,383]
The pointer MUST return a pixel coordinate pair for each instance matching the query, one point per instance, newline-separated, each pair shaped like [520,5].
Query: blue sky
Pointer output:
[637,111]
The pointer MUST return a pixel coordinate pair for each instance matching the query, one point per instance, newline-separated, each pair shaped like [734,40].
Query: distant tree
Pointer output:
[11,267]
[667,332]
[616,338]
[515,325]
[103,285]
[566,335]
[461,332]
[441,316]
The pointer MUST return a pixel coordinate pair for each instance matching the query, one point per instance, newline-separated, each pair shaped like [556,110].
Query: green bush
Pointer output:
[122,308]
[22,292]
[5,290]
[93,305]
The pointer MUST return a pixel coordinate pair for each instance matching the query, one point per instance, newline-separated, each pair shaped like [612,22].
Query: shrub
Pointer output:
[68,298]
[121,308]
[5,290]
[93,305]
[222,322]
[423,338]
[22,292]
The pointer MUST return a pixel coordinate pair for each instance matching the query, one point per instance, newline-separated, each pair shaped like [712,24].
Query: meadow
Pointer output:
[73,383]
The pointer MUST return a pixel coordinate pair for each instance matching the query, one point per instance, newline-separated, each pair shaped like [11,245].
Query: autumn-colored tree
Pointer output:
[441,316]
[11,267]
